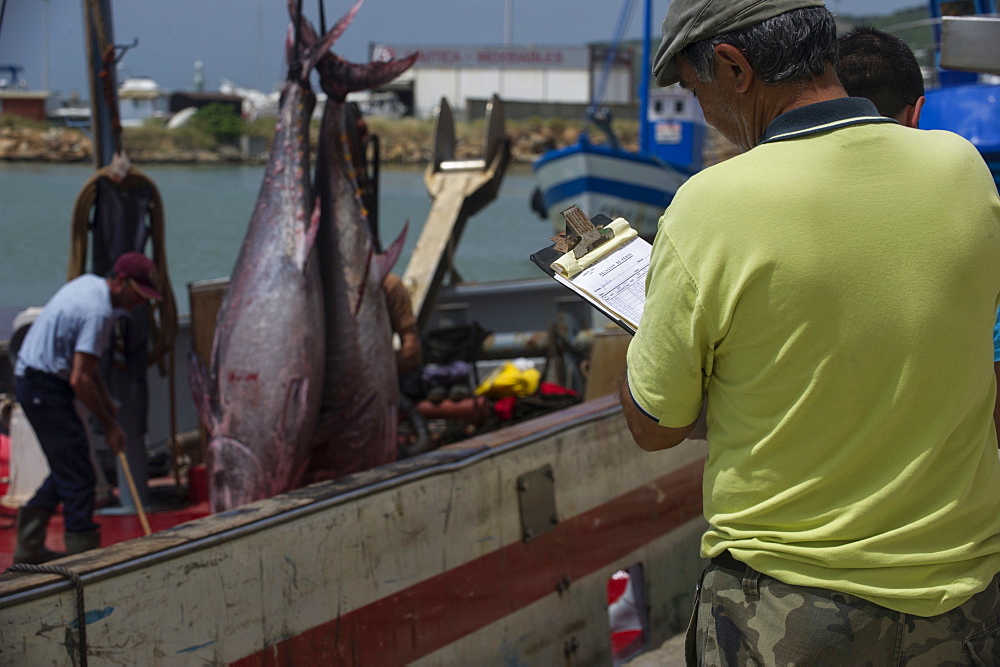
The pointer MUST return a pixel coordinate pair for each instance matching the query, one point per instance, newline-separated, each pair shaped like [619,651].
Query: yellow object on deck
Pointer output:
[510,380]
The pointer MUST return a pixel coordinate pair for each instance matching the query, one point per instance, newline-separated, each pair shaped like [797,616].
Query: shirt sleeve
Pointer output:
[670,357]
[398,300]
[93,335]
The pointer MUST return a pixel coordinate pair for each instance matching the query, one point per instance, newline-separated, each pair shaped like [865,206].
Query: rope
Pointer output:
[81,614]
[162,314]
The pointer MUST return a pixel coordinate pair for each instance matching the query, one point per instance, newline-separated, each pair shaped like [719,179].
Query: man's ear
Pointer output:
[913,119]
[732,67]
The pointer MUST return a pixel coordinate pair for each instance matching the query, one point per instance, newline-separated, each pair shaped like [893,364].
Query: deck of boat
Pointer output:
[168,509]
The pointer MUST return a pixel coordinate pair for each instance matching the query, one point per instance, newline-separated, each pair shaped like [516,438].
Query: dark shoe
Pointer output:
[78,541]
[458,392]
[421,440]
[31,525]
[436,394]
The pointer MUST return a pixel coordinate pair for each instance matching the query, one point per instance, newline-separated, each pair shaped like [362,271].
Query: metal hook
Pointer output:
[121,49]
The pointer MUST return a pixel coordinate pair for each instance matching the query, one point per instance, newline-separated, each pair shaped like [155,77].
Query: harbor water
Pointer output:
[207,209]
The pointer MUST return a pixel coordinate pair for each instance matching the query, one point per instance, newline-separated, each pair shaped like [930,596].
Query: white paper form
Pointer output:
[618,280]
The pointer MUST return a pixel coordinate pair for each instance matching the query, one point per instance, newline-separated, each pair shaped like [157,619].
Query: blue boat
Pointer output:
[967,100]
[604,177]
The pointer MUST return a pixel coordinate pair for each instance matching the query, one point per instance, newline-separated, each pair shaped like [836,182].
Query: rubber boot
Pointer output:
[31,525]
[78,541]
[422,439]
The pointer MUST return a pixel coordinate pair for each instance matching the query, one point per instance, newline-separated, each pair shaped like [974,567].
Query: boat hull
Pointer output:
[425,560]
[600,179]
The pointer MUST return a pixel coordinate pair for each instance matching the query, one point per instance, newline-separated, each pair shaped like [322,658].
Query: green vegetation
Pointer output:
[404,129]
[212,127]
[8,121]
[919,38]
[219,122]
[260,128]
[154,137]
[907,24]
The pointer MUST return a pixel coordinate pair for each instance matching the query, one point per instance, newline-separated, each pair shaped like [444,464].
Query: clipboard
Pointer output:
[611,277]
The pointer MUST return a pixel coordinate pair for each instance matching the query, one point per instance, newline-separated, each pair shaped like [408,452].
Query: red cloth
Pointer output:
[504,407]
[550,389]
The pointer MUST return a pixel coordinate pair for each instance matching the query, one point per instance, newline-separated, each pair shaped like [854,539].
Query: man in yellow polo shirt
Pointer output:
[831,292]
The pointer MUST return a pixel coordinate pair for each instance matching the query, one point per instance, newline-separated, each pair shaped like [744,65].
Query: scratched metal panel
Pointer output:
[572,628]
[201,607]
[673,568]
[611,463]
[561,629]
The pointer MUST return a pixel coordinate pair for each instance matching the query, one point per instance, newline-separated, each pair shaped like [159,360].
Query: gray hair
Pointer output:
[790,47]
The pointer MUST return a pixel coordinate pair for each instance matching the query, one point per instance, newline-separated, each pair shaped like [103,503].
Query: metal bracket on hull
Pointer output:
[459,189]
[537,495]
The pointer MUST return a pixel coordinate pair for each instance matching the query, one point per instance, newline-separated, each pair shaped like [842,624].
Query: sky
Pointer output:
[242,40]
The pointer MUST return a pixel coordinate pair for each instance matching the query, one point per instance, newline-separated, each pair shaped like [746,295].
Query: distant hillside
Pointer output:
[920,38]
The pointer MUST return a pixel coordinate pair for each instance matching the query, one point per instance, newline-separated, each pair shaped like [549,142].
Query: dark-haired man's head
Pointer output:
[882,68]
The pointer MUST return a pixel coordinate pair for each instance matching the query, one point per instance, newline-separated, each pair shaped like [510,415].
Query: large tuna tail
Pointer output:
[302,45]
[339,77]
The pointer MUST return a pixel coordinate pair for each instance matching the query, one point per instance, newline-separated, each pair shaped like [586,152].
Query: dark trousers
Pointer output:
[47,402]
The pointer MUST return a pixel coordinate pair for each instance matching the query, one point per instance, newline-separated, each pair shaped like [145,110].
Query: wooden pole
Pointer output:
[135,494]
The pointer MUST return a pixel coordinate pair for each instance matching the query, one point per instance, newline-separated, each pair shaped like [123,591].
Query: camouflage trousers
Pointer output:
[743,617]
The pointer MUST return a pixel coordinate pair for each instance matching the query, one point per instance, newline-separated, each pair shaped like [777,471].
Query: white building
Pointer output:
[140,98]
[543,74]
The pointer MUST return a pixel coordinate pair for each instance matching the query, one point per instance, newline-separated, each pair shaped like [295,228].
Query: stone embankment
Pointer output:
[50,145]
[528,142]
[72,145]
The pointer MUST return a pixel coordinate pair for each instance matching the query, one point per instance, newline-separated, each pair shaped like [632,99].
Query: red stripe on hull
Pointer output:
[438,611]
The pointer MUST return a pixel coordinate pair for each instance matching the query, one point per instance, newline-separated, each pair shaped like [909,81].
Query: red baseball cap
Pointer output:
[141,271]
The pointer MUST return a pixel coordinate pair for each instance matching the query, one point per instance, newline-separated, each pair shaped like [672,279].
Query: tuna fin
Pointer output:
[315,47]
[308,240]
[387,260]
[364,282]
[378,266]
[200,392]
[293,414]
[338,77]
[341,25]
[236,476]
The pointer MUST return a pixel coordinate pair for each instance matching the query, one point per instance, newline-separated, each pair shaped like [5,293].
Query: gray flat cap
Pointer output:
[690,21]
